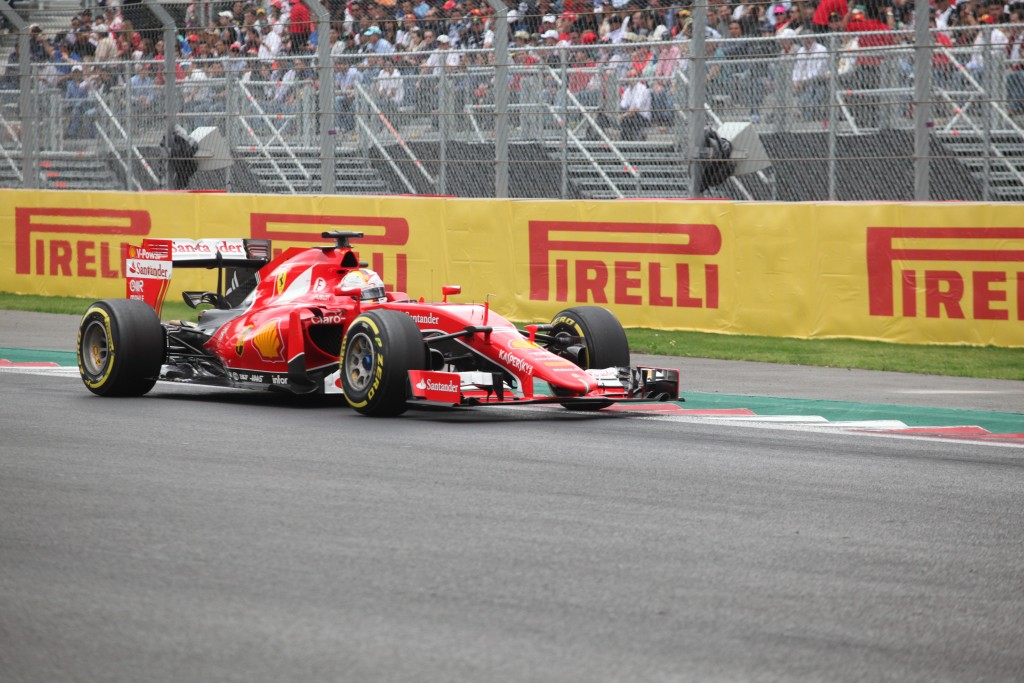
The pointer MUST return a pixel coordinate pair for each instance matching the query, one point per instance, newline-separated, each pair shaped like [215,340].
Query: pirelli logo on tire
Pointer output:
[947,273]
[626,264]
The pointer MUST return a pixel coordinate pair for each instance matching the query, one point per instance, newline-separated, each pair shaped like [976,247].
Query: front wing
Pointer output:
[458,389]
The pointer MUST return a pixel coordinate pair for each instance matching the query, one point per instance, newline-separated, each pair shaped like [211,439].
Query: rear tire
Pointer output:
[121,346]
[591,337]
[380,349]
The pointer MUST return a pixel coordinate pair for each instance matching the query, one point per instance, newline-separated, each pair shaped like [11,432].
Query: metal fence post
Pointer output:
[501,58]
[27,120]
[698,89]
[170,95]
[443,121]
[129,167]
[325,102]
[922,106]
[988,110]
[564,94]
[231,106]
[830,112]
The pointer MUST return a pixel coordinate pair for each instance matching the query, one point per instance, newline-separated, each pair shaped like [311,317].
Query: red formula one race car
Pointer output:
[316,320]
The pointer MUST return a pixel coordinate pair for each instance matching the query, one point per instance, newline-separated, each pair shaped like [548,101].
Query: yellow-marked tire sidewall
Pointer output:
[92,381]
[365,325]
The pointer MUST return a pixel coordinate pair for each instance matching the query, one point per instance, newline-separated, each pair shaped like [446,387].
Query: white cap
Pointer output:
[550,34]
[226,14]
[513,16]
[787,33]
[101,28]
[549,19]
[443,38]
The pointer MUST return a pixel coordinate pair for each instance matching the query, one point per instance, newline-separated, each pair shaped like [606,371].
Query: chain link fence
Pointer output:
[809,116]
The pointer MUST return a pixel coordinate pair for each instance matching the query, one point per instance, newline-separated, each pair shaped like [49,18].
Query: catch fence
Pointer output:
[816,117]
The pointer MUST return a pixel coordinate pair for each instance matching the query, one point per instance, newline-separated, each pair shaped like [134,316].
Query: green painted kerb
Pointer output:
[66,358]
[834,411]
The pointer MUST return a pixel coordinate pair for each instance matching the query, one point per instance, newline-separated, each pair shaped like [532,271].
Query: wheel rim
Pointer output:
[360,361]
[95,348]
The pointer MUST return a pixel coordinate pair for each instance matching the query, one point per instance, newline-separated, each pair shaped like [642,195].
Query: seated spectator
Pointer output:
[144,92]
[635,108]
[346,77]
[390,85]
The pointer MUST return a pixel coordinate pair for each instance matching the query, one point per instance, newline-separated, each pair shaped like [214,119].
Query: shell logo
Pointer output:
[522,344]
[240,339]
[267,341]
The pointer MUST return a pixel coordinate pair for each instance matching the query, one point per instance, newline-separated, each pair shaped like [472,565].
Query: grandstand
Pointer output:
[837,138]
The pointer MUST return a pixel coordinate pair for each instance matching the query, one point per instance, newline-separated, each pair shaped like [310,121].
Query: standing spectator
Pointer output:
[442,61]
[990,39]
[76,96]
[407,31]
[270,44]
[635,108]
[300,26]
[106,46]
[1015,79]
[227,29]
[868,74]
[821,21]
[810,74]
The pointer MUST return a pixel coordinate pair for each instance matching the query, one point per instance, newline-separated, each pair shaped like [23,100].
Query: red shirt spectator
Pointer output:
[881,37]
[300,24]
[826,9]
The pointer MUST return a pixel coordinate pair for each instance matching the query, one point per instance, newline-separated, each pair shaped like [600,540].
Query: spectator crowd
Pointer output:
[399,49]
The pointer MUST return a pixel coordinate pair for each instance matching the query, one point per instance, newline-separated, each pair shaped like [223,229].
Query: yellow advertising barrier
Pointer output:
[911,273]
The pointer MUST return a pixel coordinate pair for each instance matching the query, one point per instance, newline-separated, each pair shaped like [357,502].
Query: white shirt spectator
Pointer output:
[811,63]
[391,85]
[637,97]
[270,46]
[999,42]
[438,59]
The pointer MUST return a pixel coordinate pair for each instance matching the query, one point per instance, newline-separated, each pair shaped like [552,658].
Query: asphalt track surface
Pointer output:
[198,535]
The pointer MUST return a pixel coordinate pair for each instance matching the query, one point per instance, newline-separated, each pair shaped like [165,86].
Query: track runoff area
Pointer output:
[992,428]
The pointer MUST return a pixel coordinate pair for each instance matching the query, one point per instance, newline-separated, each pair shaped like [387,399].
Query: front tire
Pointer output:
[591,337]
[380,349]
[121,347]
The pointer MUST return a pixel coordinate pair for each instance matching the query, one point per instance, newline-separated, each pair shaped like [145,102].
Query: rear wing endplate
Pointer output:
[148,268]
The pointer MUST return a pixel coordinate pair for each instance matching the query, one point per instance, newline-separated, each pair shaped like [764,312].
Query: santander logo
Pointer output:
[451,387]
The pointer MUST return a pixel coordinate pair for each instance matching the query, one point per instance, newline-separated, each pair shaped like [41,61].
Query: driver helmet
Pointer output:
[369,282]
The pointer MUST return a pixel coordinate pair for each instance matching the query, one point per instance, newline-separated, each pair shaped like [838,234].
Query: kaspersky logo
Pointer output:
[955,273]
[383,247]
[639,264]
[75,242]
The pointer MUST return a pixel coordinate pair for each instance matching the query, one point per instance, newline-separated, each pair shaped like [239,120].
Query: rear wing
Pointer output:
[148,268]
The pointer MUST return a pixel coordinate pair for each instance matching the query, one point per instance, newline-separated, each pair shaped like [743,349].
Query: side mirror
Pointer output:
[354,292]
[450,289]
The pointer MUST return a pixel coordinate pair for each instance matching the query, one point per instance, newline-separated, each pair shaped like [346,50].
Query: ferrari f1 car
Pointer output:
[316,320]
